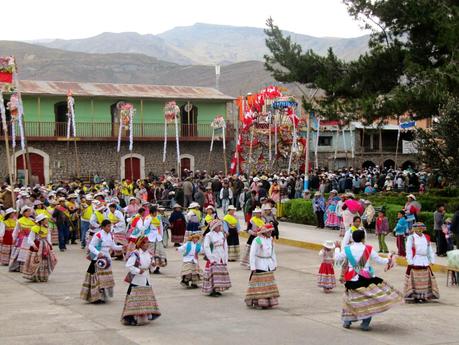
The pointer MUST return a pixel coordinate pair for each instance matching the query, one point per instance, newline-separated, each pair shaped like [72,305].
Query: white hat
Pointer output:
[317,194]
[211,207]
[329,244]
[334,191]
[25,208]
[231,207]
[24,194]
[256,179]
[257,210]
[266,207]
[177,206]
[37,202]
[40,217]
[194,205]
[132,198]
[88,197]
[411,196]
[9,210]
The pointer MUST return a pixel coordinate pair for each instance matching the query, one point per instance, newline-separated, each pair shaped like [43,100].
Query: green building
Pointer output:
[94,149]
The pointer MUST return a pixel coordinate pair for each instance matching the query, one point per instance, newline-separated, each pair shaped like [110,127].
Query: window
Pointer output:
[325,141]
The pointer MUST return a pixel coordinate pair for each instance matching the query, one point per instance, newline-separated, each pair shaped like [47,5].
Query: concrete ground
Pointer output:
[52,313]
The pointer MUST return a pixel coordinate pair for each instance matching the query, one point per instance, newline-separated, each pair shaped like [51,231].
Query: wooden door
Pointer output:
[38,167]
[185,163]
[135,168]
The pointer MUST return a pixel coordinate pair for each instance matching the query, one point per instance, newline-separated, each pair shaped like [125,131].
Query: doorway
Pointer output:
[189,120]
[60,119]
[37,163]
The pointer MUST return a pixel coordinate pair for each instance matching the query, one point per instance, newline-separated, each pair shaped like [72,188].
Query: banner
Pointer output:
[409,147]
[407,124]
[126,112]
[171,114]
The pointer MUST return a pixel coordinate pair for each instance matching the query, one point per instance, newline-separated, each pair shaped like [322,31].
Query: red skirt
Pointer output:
[326,268]
[326,277]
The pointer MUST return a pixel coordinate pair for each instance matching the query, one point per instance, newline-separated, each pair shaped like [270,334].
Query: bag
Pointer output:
[130,276]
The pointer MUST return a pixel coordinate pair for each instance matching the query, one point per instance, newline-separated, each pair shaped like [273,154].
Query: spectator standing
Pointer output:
[439,220]
[318,204]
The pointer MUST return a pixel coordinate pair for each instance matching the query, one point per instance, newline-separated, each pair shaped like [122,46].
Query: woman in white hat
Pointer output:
[255,223]
[41,260]
[20,234]
[262,291]
[211,214]
[177,224]
[232,227]
[269,217]
[98,284]
[8,224]
[216,277]
[193,217]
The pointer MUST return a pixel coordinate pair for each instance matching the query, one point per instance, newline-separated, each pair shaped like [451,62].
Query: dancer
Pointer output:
[154,232]
[231,227]
[21,232]
[255,223]
[193,218]
[98,284]
[136,230]
[118,228]
[420,283]
[216,277]
[140,305]
[178,225]
[6,245]
[262,291]
[366,295]
[211,214]
[326,279]
[41,260]
[191,274]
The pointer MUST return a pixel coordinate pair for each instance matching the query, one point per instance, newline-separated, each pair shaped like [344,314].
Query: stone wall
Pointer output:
[102,158]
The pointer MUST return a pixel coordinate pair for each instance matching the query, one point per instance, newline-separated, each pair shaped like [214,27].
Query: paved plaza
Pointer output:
[52,313]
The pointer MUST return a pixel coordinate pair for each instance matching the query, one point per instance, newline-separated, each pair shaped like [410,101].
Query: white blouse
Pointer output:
[191,256]
[262,254]
[102,242]
[219,254]
[140,279]
[424,254]
[357,250]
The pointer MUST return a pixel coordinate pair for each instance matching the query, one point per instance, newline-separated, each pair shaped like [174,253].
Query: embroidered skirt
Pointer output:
[420,284]
[233,245]
[6,247]
[245,261]
[326,278]
[364,302]
[262,290]
[140,306]
[216,278]
[18,258]
[191,273]
[98,284]
[39,265]
[120,238]
[54,233]
[159,254]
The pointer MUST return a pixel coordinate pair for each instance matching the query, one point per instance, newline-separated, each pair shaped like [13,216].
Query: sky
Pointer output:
[46,19]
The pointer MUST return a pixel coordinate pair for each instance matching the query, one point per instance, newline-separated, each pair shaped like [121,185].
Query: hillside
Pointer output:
[40,63]
[203,44]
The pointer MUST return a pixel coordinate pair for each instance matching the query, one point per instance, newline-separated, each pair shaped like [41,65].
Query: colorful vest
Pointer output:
[188,248]
[358,267]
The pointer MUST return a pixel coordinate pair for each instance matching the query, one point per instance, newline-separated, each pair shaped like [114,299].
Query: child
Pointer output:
[326,278]
[446,228]
[382,229]
[401,229]
[190,268]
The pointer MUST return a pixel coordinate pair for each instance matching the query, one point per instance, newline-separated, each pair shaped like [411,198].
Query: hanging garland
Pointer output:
[218,123]
[70,114]
[7,69]
[171,113]
[15,108]
[126,113]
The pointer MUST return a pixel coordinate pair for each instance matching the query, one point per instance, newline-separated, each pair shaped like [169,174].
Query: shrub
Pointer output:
[300,211]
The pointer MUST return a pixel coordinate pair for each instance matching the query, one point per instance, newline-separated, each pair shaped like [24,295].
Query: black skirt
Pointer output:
[233,237]
[362,282]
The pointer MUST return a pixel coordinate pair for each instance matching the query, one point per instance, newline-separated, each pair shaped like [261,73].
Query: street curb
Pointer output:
[318,246]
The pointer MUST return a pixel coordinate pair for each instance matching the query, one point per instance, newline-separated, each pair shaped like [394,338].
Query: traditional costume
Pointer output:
[154,232]
[210,216]
[191,274]
[7,226]
[193,218]
[140,305]
[41,260]
[366,295]
[20,250]
[262,291]
[98,284]
[420,283]
[270,218]
[326,278]
[178,225]
[136,229]
[52,227]
[231,227]
[216,277]
[118,229]
[96,219]
[331,217]
[256,222]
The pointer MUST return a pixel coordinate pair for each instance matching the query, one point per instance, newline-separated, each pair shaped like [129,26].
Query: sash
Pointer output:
[358,267]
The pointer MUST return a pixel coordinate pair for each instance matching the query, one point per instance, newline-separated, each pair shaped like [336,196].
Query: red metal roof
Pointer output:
[60,88]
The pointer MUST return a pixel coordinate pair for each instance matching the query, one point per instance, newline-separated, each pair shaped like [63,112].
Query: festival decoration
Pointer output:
[126,112]
[7,69]
[218,123]
[171,114]
[16,112]
[70,114]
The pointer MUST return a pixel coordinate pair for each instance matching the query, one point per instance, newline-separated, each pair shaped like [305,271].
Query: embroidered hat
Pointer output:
[215,223]
[257,210]
[40,217]
[140,241]
[265,228]
[194,205]
[231,207]
[418,226]
[329,244]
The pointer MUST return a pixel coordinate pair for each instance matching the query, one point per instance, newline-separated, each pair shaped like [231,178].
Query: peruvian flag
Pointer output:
[237,153]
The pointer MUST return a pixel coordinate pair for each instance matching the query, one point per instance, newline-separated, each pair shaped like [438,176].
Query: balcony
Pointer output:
[106,131]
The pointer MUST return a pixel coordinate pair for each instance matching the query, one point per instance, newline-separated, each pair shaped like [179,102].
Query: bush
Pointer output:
[300,211]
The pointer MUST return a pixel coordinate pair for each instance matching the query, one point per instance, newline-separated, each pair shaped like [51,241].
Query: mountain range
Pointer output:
[181,56]
[204,44]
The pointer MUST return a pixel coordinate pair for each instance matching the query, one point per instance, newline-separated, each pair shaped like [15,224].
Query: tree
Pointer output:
[411,66]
